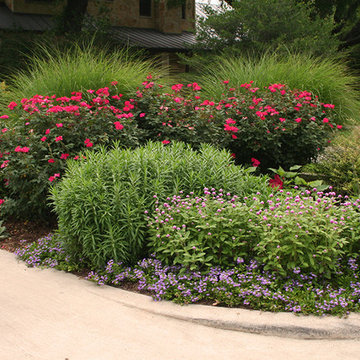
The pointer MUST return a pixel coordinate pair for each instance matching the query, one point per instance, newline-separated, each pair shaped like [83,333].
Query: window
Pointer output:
[183,11]
[145,7]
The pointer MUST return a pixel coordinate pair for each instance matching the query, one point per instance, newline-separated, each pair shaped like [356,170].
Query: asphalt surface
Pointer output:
[48,314]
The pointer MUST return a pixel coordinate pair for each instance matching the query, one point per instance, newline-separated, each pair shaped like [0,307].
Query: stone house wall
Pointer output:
[120,12]
[40,7]
[163,18]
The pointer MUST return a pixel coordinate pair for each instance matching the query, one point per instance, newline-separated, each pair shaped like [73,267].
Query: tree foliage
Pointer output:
[260,25]
[347,19]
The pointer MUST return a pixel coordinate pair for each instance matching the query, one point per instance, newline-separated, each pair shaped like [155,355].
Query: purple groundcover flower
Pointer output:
[247,284]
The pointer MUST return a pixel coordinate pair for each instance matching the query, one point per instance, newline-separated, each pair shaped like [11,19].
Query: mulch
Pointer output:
[20,233]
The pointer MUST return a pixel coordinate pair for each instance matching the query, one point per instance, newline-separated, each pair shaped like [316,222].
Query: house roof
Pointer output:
[152,39]
[12,21]
[146,38]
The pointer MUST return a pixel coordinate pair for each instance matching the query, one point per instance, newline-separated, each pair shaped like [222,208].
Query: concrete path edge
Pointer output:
[280,324]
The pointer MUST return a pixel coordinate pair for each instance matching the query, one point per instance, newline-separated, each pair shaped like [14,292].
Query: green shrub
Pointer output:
[329,79]
[178,115]
[48,131]
[285,233]
[54,71]
[201,232]
[339,165]
[276,125]
[101,203]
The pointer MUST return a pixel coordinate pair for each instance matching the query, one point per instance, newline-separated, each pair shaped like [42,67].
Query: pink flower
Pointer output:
[233,155]
[55,109]
[165,142]
[298,120]
[59,125]
[64,156]
[195,86]
[118,125]
[142,115]
[57,175]
[114,83]
[12,105]
[2,201]
[230,121]
[177,87]
[339,126]
[255,162]
[4,164]
[276,183]
[76,157]
[4,130]
[226,81]
[103,91]
[43,138]
[51,161]
[325,120]
[58,138]
[89,144]
[51,178]
[282,119]
[47,131]
[230,128]
[22,149]
[4,117]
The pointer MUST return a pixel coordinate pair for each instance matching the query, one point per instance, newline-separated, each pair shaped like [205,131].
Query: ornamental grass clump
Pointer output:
[285,232]
[101,203]
[81,67]
[328,78]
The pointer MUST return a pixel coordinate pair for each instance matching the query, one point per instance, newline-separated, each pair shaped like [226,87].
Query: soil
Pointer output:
[20,233]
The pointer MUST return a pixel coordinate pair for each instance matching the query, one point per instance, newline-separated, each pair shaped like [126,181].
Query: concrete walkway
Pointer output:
[50,315]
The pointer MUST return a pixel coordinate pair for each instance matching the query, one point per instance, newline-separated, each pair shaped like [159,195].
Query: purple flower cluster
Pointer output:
[246,282]
[45,252]
[287,230]
[246,285]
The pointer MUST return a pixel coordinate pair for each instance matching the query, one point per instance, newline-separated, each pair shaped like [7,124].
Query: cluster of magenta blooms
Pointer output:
[244,285]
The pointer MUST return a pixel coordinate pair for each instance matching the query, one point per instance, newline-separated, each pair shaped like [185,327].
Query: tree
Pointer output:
[260,25]
[347,19]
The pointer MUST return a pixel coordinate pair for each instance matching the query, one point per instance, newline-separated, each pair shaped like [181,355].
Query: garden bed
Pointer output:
[20,233]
